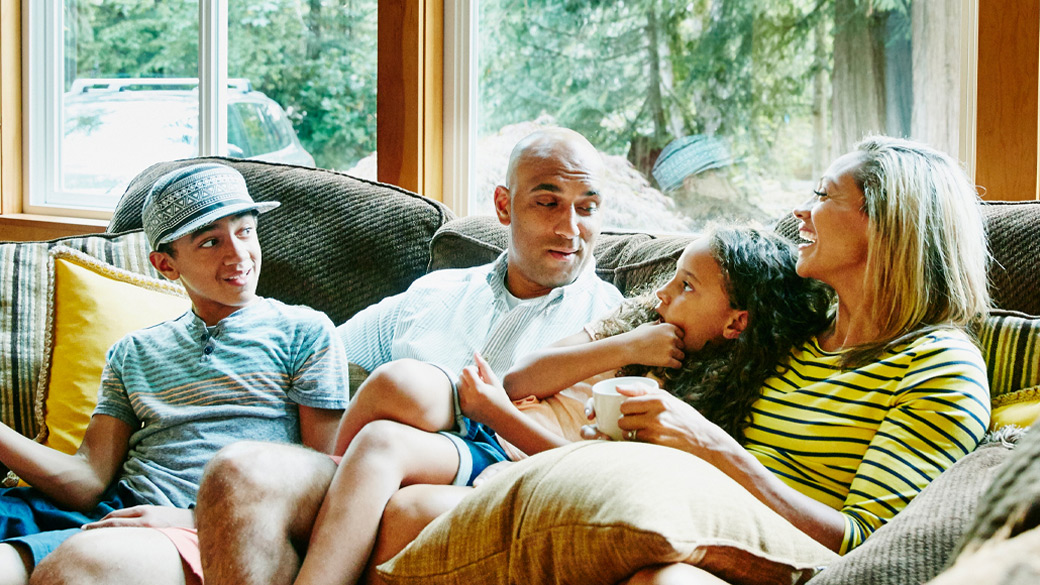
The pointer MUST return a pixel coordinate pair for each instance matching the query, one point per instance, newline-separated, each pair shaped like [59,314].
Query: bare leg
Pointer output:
[674,574]
[256,508]
[407,391]
[384,456]
[406,514]
[15,564]
[114,556]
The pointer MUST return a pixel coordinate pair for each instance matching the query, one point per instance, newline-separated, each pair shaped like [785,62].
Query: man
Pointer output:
[174,394]
[259,502]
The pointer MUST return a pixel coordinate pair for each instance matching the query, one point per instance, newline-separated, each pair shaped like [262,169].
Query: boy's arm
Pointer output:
[318,427]
[74,481]
[545,372]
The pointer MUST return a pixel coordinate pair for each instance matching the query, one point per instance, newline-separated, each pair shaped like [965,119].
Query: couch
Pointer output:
[340,243]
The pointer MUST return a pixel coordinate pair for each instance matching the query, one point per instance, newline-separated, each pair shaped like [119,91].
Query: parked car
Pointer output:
[114,128]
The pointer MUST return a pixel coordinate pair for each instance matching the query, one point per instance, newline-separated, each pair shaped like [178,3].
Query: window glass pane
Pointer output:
[713,109]
[311,65]
[129,95]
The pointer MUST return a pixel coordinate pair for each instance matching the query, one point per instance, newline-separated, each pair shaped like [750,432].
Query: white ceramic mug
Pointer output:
[607,401]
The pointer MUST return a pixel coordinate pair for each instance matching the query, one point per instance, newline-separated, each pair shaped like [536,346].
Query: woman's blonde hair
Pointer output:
[927,256]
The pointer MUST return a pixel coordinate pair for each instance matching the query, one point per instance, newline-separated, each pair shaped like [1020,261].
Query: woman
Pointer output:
[894,390]
[894,227]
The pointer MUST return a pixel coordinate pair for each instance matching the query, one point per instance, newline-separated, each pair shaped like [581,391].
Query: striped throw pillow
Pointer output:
[24,293]
[1011,347]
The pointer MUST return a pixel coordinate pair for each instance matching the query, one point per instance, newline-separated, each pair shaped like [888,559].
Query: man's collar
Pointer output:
[500,268]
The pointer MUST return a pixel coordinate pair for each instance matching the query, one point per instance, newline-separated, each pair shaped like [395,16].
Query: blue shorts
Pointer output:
[476,442]
[478,448]
[30,518]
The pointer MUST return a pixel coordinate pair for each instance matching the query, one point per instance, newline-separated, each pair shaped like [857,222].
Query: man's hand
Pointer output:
[481,395]
[656,344]
[146,517]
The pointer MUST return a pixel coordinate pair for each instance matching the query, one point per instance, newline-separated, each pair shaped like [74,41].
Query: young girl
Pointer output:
[711,335]
[735,296]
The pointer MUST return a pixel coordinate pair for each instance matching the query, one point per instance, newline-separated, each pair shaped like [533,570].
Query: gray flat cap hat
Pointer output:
[192,197]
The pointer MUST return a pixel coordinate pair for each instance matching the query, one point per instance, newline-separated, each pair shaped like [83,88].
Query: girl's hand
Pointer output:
[491,471]
[481,395]
[656,344]
[655,416]
[591,432]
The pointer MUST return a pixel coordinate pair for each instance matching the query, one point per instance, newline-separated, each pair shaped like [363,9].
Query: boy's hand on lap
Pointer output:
[146,517]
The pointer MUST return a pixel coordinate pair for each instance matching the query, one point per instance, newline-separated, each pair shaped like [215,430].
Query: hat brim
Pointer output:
[216,214]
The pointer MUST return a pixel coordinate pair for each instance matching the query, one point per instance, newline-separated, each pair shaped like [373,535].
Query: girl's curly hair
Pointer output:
[784,310]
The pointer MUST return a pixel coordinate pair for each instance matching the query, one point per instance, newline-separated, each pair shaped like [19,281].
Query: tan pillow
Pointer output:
[596,512]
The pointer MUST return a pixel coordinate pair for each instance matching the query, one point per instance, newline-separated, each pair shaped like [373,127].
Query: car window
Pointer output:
[255,128]
[111,136]
[280,126]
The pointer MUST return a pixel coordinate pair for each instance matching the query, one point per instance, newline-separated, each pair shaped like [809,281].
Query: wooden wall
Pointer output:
[1006,115]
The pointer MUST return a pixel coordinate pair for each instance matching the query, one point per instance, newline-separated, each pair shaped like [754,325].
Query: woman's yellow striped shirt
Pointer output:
[866,441]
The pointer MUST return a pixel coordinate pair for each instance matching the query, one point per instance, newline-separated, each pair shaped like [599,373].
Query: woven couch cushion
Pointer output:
[914,546]
[337,243]
[1012,228]
[1014,274]
[1011,503]
[24,293]
[1001,544]
[1008,562]
[593,512]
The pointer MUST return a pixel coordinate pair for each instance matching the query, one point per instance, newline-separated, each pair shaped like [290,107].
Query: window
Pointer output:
[707,109]
[121,88]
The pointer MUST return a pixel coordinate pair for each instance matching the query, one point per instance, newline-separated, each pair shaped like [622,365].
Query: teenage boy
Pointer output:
[237,366]
[261,501]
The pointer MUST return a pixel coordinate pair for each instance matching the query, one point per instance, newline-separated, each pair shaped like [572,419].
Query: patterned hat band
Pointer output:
[187,199]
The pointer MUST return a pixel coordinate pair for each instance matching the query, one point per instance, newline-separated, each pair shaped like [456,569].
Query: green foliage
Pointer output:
[317,58]
[622,72]
[735,68]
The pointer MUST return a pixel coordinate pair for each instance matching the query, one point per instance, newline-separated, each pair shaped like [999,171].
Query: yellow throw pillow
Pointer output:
[1020,408]
[93,305]
[596,512]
